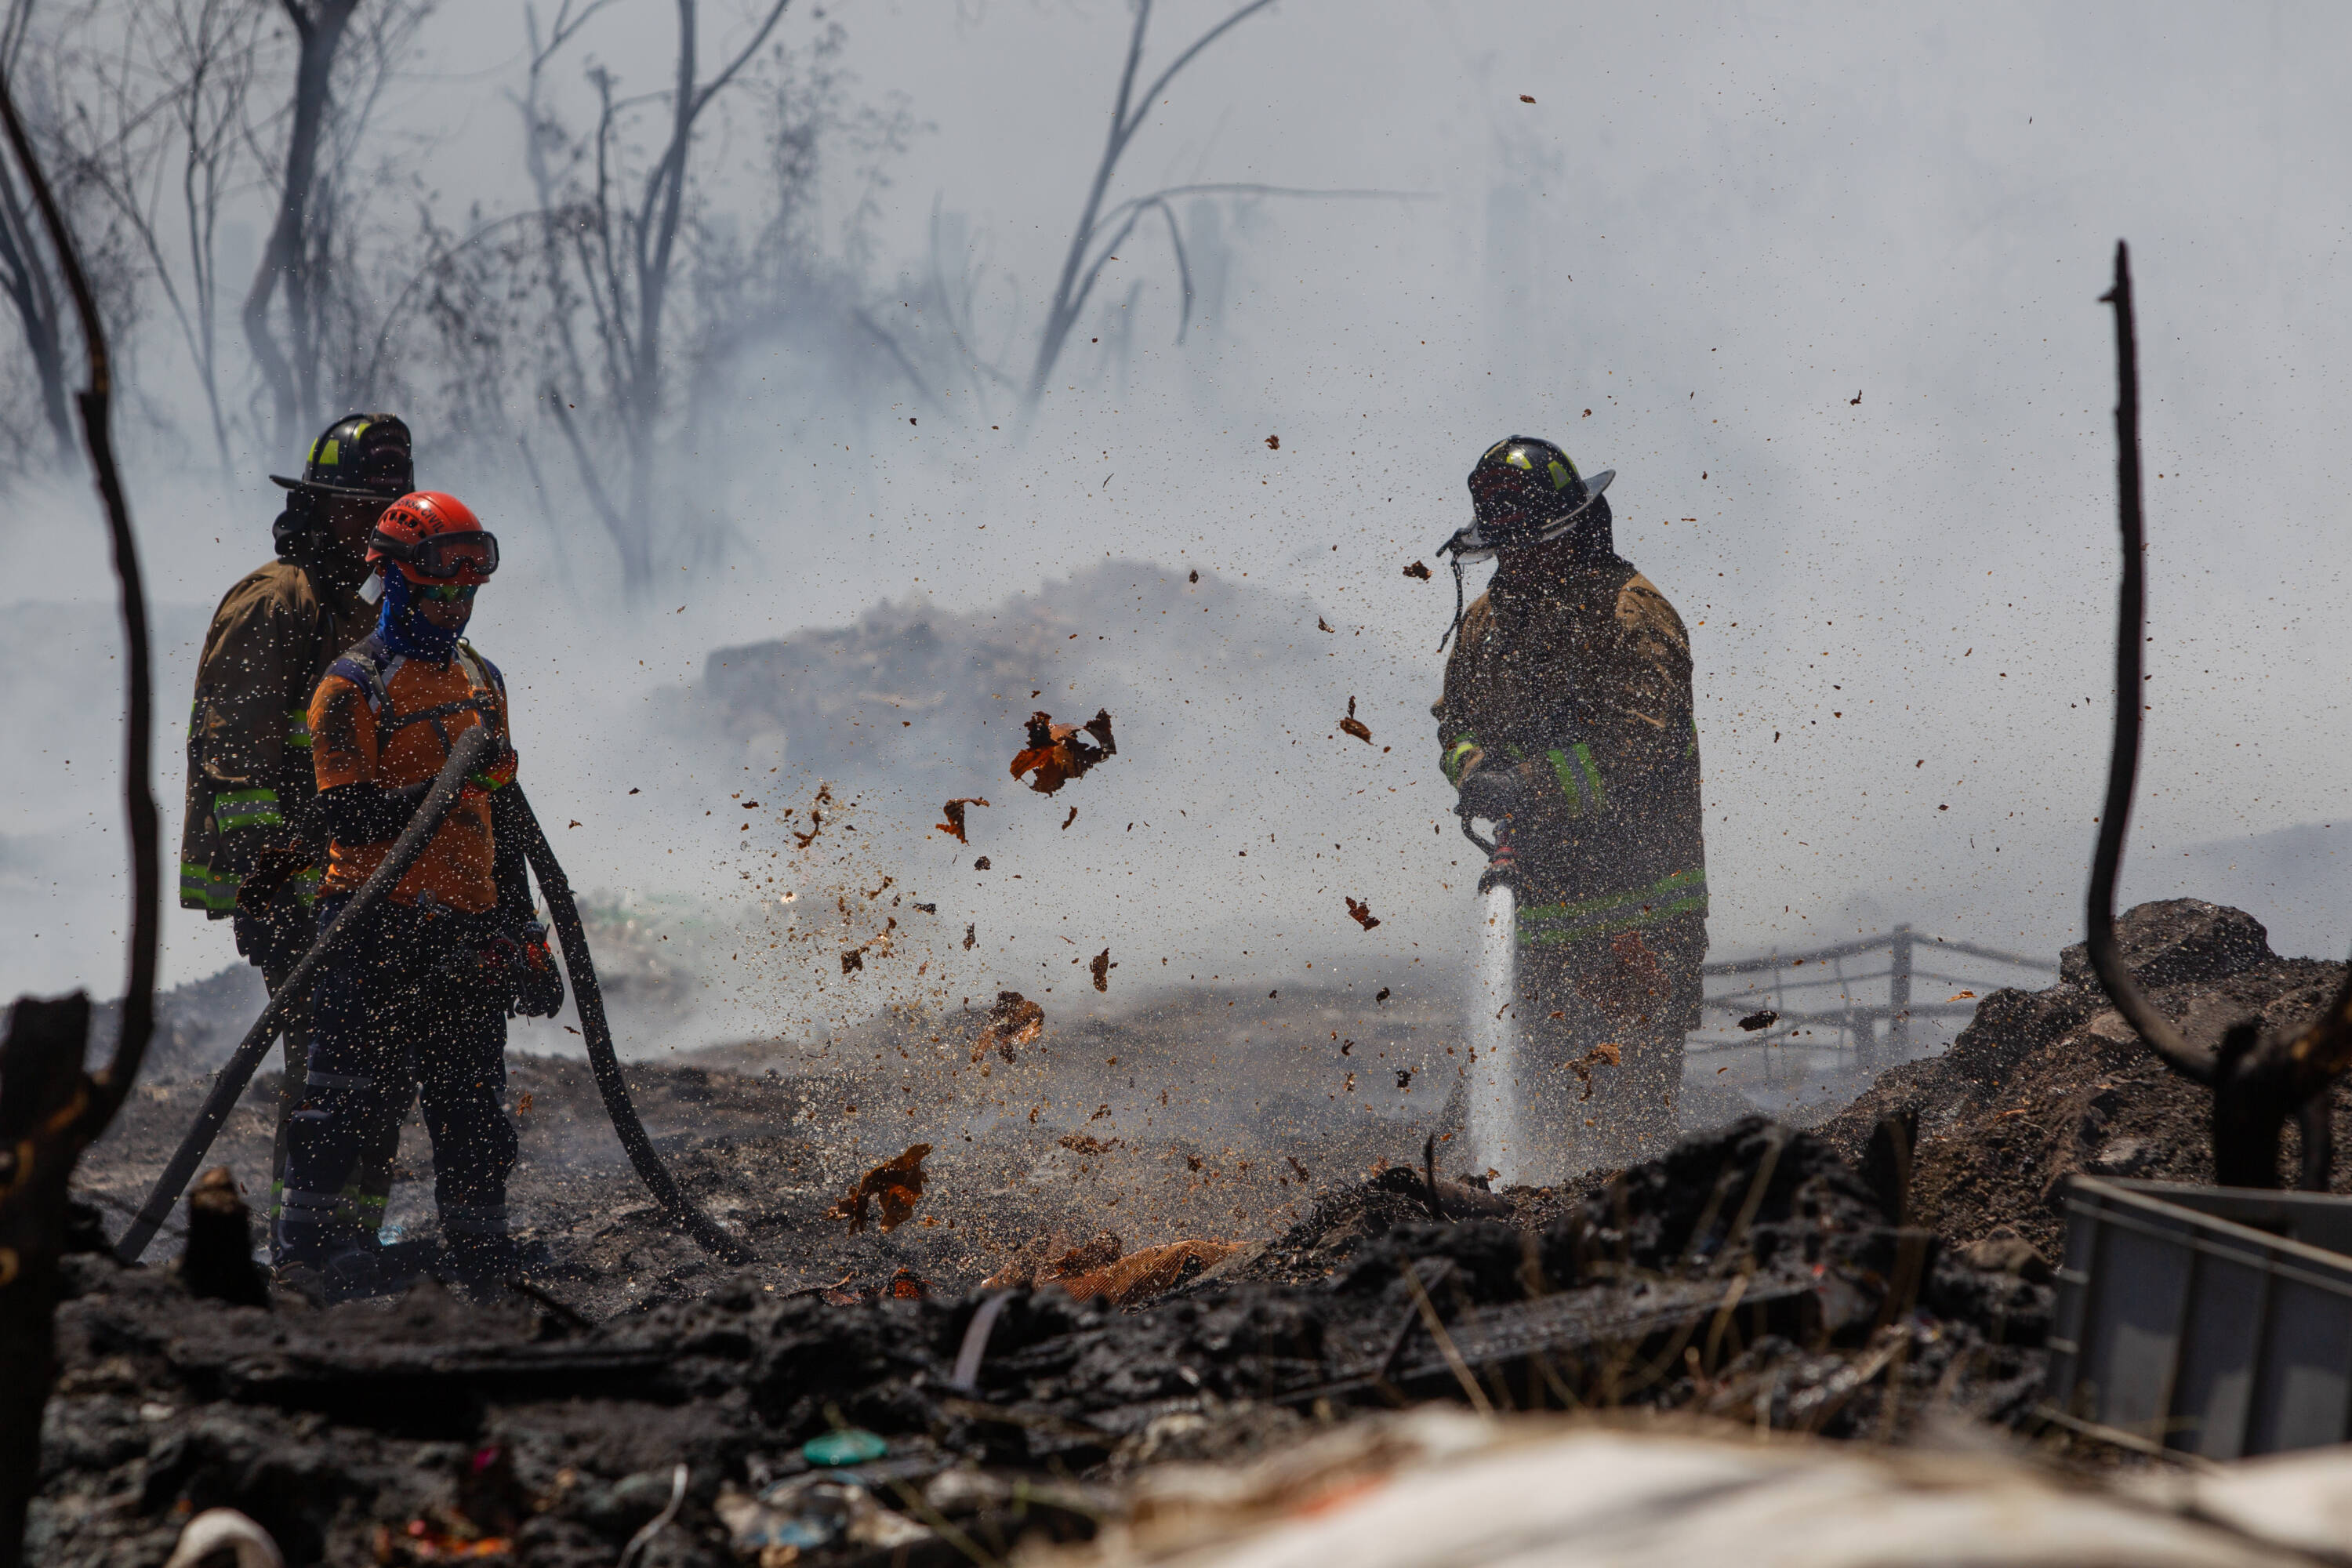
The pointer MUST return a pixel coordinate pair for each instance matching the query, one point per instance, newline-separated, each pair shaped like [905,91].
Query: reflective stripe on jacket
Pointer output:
[250,780]
[1582,683]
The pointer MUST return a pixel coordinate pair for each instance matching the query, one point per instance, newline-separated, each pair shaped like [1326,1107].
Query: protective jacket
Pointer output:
[386,722]
[1581,681]
[249,775]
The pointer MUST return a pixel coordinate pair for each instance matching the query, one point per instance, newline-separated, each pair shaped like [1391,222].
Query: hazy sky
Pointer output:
[1712,232]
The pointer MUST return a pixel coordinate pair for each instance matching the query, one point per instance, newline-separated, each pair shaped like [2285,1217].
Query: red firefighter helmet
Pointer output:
[433,538]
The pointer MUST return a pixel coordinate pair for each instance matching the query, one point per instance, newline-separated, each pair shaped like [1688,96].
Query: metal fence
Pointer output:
[1856,999]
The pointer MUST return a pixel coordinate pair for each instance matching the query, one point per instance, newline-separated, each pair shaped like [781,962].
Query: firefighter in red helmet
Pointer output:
[425,986]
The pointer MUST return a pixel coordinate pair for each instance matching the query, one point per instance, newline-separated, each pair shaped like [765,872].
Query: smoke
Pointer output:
[1823,293]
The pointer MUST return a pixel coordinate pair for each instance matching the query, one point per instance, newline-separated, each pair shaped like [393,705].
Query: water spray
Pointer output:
[1497,1144]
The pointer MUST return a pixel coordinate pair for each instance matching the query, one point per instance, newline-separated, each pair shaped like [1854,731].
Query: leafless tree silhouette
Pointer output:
[614,253]
[159,132]
[344,60]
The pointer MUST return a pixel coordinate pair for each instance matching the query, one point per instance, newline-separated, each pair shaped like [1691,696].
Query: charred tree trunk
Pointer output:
[50,1109]
[40,1079]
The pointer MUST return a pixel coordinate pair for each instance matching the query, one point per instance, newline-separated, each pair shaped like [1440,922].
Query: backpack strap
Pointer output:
[370,666]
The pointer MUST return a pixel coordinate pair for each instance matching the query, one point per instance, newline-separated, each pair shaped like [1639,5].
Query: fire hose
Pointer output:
[466,755]
[589,999]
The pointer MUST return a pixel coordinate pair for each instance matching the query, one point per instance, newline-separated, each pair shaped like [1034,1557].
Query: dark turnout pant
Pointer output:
[1602,1025]
[390,1012]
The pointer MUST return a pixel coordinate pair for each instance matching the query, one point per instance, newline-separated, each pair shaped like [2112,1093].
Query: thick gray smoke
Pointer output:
[1822,291]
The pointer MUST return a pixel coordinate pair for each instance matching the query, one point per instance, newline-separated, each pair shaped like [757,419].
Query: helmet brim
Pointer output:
[351,492]
[1469,544]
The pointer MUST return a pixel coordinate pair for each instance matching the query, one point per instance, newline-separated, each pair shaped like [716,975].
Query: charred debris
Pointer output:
[1750,1273]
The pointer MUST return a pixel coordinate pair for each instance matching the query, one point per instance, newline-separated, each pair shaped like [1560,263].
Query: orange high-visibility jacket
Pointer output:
[381,719]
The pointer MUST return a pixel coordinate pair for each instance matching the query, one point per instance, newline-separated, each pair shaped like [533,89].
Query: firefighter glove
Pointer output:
[1496,791]
[537,984]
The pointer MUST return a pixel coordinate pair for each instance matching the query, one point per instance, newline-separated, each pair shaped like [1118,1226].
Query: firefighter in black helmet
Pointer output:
[251,848]
[1567,717]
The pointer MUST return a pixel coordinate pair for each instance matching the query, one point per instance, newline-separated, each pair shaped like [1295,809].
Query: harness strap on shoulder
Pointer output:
[369,666]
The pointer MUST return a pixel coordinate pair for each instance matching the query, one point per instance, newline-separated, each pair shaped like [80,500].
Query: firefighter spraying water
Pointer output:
[1567,722]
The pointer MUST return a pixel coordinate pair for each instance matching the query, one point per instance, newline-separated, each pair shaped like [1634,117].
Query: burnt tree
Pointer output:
[51,1108]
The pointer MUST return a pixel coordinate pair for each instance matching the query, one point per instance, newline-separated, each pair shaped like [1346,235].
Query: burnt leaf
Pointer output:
[897,1183]
[955,809]
[1013,1021]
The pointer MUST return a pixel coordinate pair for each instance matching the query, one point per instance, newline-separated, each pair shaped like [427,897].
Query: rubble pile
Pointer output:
[1749,1272]
[2043,1084]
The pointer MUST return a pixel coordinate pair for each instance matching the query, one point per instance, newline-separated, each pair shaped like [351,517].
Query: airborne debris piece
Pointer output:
[1381,994]
[1274,443]
[968,938]
[1606,1053]
[1419,571]
[1100,967]
[1081,1144]
[1069,819]
[1323,626]
[1361,913]
[897,1183]
[852,960]
[980,864]
[1013,1021]
[1058,753]
[1354,726]
[1764,1019]
[954,809]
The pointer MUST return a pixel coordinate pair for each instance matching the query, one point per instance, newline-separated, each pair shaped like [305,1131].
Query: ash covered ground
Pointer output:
[1756,1273]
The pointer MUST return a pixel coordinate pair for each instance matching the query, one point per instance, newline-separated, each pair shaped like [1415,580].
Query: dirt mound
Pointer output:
[2042,1084]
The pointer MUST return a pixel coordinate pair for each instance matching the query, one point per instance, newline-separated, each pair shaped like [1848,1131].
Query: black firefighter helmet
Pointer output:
[360,456]
[1523,491]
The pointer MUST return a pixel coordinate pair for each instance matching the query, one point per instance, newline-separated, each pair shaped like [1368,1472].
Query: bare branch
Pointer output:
[112,1086]
[2123,759]
[1183,271]
[1202,42]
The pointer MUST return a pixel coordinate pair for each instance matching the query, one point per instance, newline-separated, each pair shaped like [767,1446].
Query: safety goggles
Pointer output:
[441,554]
[446,593]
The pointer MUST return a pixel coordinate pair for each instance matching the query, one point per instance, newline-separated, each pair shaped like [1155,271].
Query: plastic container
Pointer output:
[2216,1320]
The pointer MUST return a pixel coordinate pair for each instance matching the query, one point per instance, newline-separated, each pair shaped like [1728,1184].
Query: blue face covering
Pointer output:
[404,628]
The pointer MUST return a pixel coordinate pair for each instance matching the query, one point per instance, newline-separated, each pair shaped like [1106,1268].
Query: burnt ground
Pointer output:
[1755,1273]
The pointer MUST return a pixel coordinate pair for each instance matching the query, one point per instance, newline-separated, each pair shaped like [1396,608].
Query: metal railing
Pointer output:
[1865,1010]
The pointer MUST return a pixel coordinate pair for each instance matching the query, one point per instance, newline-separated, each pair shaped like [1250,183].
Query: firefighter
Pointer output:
[252,846]
[422,990]
[1566,719]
